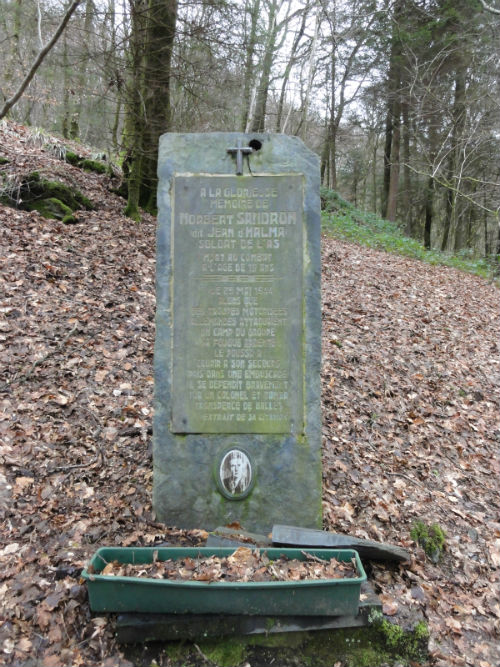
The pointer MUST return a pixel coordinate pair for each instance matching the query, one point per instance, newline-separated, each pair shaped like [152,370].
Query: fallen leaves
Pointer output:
[243,565]
[411,423]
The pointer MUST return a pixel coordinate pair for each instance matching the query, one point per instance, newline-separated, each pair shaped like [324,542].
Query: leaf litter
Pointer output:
[243,565]
[411,423]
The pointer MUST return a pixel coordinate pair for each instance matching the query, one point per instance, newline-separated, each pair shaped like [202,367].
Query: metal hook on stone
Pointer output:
[240,151]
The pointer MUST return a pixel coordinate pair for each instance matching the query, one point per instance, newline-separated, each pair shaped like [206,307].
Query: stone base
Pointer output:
[285,641]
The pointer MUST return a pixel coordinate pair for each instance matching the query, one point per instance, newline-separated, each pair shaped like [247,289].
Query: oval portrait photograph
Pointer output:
[235,472]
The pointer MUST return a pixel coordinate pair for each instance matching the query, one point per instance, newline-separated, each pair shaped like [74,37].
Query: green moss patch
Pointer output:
[225,653]
[431,539]
[381,643]
[72,158]
[86,164]
[93,165]
[52,199]
[3,160]
[50,208]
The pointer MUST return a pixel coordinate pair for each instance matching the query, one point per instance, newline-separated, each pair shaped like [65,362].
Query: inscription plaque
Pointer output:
[237,256]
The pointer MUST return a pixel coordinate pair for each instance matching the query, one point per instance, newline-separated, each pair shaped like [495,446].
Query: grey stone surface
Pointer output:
[267,222]
[293,536]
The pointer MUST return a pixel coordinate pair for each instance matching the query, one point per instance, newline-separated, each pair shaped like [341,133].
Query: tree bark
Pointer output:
[259,115]
[458,116]
[249,65]
[392,195]
[133,131]
[288,68]
[148,103]
[161,34]
[392,123]
[429,211]
[406,169]
[82,71]
[310,76]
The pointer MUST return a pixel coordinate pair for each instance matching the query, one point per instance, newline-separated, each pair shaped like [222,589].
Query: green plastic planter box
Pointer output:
[326,597]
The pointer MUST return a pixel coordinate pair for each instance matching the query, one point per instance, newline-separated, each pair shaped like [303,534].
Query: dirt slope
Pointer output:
[411,422]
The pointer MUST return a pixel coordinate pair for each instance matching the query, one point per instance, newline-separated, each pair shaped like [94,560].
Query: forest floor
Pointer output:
[411,422]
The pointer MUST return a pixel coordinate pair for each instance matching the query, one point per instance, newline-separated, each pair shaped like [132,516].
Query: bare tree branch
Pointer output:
[39,59]
[489,8]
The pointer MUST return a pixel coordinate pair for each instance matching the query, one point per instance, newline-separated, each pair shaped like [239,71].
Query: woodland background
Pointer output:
[410,406]
[400,99]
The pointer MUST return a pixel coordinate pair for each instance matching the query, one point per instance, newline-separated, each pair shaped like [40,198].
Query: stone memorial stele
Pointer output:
[237,426]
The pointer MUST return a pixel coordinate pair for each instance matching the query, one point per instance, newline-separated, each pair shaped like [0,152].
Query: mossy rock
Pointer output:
[34,188]
[121,190]
[93,165]
[72,158]
[4,160]
[54,209]
[85,163]
[51,199]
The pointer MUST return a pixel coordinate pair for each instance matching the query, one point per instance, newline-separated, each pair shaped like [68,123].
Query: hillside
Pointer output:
[411,422]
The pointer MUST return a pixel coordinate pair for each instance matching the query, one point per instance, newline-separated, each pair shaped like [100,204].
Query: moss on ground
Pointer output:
[72,158]
[93,165]
[226,653]
[381,643]
[51,208]
[431,539]
[86,164]
[52,199]
[34,187]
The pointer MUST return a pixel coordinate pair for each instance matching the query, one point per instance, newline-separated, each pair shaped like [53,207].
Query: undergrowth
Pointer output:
[344,221]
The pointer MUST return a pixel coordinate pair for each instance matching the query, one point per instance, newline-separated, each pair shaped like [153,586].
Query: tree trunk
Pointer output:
[458,115]
[387,161]
[249,65]
[161,34]
[431,183]
[66,104]
[148,103]
[429,209]
[374,173]
[406,169]
[392,122]
[133,131]
[288,68]
[329,157]
[310,76]
[392,196]
[259,115]
[82,79]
